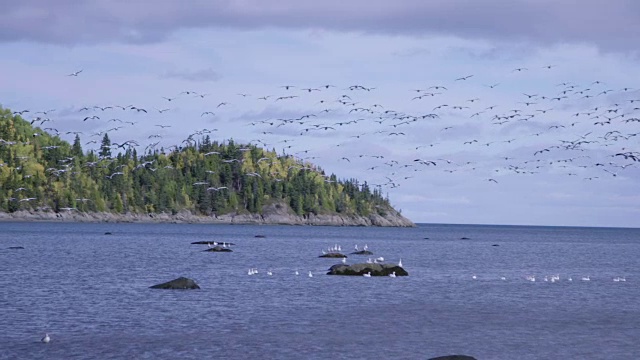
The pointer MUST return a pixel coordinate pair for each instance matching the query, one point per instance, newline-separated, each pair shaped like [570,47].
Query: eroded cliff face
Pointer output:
[274,214]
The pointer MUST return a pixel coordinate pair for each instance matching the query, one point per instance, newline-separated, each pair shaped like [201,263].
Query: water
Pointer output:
[90,292]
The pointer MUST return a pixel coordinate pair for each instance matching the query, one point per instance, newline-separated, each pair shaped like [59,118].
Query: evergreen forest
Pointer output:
[40,171]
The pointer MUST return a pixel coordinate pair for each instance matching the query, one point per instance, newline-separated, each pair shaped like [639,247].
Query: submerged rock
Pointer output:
[219,249]
[465,238]
[16,247]
[260,236]
[362,252]
[333,255]
[361,269]
[454,357]
[211,243]
[181,283]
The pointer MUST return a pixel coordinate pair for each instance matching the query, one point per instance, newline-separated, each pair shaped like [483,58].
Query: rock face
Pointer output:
[181,283]
[362,252]
[333,255]
[361,269]
[274,214]
[219,249]
[454,357]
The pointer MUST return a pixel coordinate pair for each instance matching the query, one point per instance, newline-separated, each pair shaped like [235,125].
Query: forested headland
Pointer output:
[41,172]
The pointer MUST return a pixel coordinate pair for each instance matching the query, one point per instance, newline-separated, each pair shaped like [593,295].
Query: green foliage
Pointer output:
[41,171]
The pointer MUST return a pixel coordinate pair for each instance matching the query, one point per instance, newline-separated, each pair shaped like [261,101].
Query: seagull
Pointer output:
[46,338]
[367,274]
[76,73]
[310,274]
[400,263]
[393,274]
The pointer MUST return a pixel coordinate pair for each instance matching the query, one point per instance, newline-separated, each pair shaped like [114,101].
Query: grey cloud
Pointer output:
[195,75]
[610,25]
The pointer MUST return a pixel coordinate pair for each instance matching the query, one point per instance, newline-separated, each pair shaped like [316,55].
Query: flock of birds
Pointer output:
[587,131]
[335,249]
[555,278]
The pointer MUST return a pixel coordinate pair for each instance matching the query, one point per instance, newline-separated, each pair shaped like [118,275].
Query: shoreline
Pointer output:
[391,219]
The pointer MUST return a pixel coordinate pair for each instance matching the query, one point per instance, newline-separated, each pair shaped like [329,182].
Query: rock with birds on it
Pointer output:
[333,255]
[362,252]
[374,269]
[211,243]
[454,357]
[218,249]
[181,283]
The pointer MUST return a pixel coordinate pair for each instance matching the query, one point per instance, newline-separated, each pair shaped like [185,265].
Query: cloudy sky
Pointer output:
[521,105]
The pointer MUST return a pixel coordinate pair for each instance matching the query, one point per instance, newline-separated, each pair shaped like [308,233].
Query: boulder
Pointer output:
[210,243]
[219,249]
[361,269]
[362,252]
[181,283]
[454,357]
[333,255]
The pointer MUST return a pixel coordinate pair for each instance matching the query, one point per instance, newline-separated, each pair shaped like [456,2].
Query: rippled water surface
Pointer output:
[90,292]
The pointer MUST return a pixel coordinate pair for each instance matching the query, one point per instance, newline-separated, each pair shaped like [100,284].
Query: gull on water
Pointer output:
[46,338]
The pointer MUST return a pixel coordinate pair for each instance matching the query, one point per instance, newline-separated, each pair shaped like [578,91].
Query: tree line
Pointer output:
[41,171]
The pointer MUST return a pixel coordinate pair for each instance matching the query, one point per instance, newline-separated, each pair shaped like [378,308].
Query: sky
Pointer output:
[462,111]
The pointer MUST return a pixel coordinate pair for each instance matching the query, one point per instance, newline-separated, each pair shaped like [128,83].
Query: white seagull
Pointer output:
[46,338]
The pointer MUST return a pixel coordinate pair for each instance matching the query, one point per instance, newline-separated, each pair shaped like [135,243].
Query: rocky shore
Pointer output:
[275,214]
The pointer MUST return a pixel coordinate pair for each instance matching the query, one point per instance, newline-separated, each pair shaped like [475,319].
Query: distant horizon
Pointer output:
[521,225]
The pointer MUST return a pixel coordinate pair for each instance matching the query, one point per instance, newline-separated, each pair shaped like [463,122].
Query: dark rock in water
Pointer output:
[219,249]
[454,357]
[361,269]
[260,236]
[495,245]
[108,233]
[210,243]
[16,247]
[181,283]
[426,238]
[333,255]
[362,252]
[465,238]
